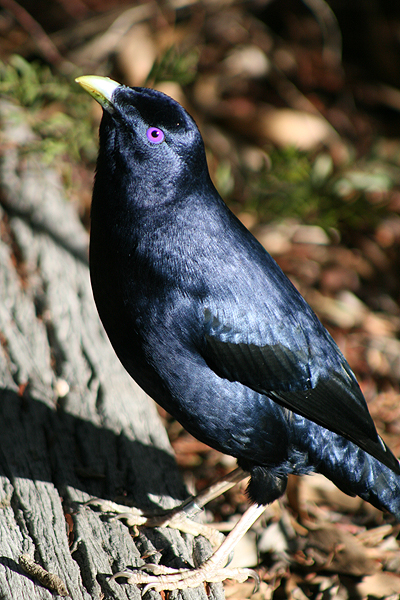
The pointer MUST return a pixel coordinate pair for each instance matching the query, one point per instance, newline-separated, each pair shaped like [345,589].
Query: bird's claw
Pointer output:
[174,520]
[165,578]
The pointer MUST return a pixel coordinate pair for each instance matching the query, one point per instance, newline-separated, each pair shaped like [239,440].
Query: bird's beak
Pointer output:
[101,88]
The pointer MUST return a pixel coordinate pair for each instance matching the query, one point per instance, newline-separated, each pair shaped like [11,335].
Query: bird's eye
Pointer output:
[155,135]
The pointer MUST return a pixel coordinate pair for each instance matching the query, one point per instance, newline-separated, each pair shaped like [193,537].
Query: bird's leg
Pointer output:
[180,517]
[212,570]
[191,506]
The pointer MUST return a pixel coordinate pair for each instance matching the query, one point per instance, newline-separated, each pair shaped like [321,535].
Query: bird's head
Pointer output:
[146,133]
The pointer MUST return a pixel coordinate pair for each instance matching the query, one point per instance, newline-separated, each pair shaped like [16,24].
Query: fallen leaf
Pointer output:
[333,549]
[379,585]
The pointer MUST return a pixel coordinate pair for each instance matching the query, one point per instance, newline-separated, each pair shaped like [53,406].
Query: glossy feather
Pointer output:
[206,322]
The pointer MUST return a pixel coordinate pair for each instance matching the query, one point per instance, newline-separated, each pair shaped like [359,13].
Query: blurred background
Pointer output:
[298,102]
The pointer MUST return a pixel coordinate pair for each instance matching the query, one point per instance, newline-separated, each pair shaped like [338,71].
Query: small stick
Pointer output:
[49,580]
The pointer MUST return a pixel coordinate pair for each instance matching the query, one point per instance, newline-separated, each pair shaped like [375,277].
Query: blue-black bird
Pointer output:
[205,321]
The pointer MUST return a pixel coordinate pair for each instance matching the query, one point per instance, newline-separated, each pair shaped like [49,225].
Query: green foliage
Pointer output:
[308,188]
[175,66]
[30,84]
[59,112]
[295,185]
[224,178]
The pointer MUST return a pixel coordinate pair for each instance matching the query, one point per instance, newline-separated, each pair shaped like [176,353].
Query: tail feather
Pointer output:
[353,470]
[371,480]
[384,492]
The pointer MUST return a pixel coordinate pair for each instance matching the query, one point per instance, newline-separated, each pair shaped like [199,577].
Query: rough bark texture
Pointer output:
[57,450]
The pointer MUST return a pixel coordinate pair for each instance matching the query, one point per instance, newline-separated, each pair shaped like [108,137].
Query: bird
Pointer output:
[206,322]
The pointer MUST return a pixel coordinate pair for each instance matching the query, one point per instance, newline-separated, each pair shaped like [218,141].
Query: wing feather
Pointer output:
[329,396]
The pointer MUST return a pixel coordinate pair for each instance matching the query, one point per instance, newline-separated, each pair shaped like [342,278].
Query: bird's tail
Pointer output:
[354,471]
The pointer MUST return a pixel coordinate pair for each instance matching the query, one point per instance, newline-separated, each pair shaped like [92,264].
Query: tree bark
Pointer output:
[73,424]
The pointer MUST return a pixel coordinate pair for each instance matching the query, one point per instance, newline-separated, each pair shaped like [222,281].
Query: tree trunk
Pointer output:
[73,424]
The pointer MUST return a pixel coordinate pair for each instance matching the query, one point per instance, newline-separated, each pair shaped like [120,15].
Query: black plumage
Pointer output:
[206,322]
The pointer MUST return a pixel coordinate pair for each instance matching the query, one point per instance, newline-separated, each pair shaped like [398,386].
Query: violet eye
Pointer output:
[155,135]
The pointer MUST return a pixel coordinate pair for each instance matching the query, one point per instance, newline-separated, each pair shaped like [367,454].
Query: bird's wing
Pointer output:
[310,377]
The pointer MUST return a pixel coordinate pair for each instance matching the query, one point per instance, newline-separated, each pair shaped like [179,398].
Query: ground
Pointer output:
[299,106]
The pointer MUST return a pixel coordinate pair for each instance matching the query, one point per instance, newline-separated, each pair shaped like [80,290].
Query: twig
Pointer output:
[99,48]
[48,580]
[331,34]
[37,33]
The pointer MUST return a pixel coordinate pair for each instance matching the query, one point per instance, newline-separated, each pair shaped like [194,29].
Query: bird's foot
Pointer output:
[180,517]
[165,578]
[134,516]
[186,525]
[212,570]
[175,519]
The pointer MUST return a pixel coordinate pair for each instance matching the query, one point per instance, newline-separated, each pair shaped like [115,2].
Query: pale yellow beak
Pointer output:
[101,88]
